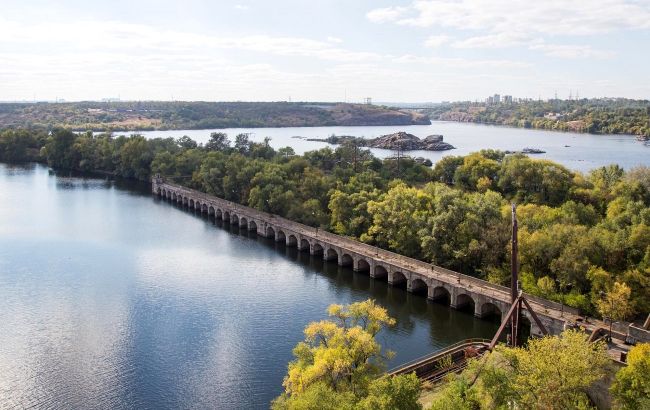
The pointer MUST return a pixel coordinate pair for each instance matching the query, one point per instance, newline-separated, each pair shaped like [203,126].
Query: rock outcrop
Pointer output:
[409,142]
[397,141]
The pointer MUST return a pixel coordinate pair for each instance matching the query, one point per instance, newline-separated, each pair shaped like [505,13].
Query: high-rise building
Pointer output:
[497,98]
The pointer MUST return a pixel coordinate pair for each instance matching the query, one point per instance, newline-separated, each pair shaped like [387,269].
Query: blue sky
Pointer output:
[319,50]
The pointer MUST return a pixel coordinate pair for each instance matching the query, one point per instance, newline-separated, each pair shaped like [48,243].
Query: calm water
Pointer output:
[110,298]
[581,152]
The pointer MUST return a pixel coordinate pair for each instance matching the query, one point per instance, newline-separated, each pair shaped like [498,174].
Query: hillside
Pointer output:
[158,115]
[595,116]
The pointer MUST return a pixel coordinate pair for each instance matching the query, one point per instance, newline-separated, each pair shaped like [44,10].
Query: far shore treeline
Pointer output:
[584,238]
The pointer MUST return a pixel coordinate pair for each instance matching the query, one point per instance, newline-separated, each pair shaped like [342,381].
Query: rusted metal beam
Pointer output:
[504,323]
[534,315]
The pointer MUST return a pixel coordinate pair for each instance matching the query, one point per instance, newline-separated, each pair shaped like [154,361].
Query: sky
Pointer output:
[323,50]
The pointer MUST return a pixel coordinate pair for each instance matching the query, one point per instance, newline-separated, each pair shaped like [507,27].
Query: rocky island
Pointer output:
[397,141]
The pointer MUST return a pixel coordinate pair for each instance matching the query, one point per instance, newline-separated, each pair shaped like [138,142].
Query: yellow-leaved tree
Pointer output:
[341,365]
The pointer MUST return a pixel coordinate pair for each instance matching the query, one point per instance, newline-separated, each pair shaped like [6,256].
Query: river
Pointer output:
[579,152]
[111,298]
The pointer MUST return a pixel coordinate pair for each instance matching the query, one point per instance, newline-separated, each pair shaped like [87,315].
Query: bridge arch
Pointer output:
[380,273]
[252,226]
[491,311]
[399,280]
[163,192]
[234,219]
[270,232]
[281,236]
[442,295]
[292,240]
[243,222]
[191,203]
[159,191]
[331,254]
[346,260]
[173,196]
[525,328]
[316,249]
[185,201]
[218,214]
[204,208]
[226,216]
[197,205]
[304,244]
[419,287]
[363,265]
[211,210]
[465,302]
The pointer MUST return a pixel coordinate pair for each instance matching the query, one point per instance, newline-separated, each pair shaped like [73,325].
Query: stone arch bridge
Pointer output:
[460,291]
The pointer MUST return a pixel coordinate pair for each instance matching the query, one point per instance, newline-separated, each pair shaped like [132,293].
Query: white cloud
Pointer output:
[553,17]
[521,23]
[499,40]
[386,14]
[241,7]
[572,51]
[332,39]
[459,62]
[137,38]
[436,41]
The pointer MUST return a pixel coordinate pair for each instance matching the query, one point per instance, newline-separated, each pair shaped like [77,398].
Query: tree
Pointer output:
[218,142]
[631,389]
[241,143]
[186,142]
[389,393]
[615,303]
[550,373]
[339,364]
[397,218]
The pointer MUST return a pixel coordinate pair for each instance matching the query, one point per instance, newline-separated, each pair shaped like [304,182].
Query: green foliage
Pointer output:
[550,373]
[579,234]
[340,363]
[596,116]
[631,389]
[390,393]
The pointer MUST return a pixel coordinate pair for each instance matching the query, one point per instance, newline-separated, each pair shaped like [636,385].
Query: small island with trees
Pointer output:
[402,141]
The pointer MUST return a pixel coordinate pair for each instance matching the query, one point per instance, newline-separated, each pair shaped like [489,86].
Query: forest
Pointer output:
[595,116]
[584,239]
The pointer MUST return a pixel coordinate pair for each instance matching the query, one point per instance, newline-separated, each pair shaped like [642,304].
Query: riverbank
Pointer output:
[161,115]
[595,116]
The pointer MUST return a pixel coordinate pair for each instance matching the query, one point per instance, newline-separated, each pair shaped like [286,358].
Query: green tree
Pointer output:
[218,142]
[397,218]
[631,389]
[549,373]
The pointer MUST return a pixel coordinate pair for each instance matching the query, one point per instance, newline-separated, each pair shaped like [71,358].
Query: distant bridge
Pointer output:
[436,283]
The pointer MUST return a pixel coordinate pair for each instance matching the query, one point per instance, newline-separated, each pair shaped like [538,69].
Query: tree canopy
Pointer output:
[340,365]
[579,233]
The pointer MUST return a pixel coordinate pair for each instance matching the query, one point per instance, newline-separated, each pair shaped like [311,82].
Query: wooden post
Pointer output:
[514,280]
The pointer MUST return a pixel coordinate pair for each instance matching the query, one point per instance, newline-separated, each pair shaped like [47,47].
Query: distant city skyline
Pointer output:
[389,50]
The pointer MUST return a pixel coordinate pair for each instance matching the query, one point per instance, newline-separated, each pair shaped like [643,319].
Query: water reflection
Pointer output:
[112,299]
[343,282]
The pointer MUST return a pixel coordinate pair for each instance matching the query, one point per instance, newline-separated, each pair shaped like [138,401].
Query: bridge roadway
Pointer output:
[437,283]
